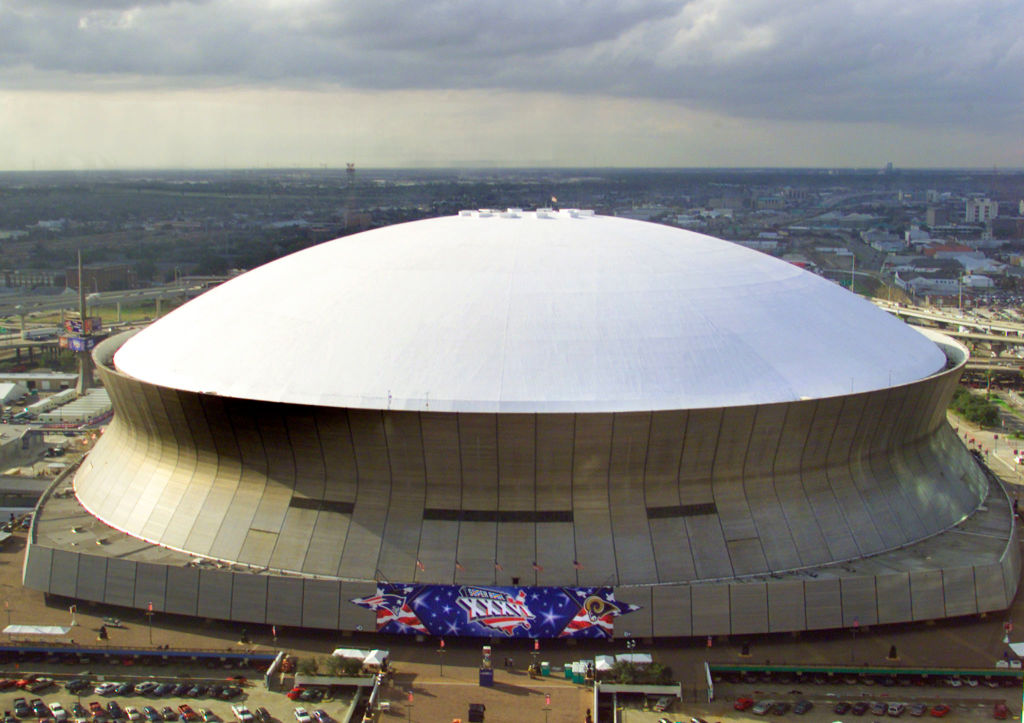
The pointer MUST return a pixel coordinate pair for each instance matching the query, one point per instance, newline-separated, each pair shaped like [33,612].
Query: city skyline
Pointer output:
[645,83]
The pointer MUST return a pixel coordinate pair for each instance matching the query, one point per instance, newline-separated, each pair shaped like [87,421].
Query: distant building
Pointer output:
[936,216]
[981,210]
[31,278]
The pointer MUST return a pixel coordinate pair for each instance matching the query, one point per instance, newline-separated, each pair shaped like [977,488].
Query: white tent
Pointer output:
[635,658]
[603,662]
[377,659]
[9,391]
[36,630]
[350,653]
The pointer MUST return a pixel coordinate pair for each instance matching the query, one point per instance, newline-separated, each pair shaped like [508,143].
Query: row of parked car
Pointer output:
[876,708]
[97,712]
[156,689]
[888,681]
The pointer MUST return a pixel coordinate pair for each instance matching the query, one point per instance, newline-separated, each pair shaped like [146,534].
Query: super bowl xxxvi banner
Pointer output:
[479,611]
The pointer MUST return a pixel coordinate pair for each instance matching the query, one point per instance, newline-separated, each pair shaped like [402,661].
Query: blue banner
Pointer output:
[483,611]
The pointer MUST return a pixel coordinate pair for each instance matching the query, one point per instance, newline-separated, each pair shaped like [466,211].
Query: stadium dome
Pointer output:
[528,312]
[530,424]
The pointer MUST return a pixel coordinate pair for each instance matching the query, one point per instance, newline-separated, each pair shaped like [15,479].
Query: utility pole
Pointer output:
[85,354]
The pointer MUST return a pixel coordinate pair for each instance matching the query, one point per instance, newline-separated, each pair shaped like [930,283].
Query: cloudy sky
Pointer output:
[251,83]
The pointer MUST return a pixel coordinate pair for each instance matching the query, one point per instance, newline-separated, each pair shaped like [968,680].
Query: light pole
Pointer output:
[440,657]
[409,708]
[149,616]
[547,706]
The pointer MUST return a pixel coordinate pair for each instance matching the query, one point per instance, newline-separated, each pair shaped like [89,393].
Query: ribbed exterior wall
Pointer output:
[636,498]
[725,608]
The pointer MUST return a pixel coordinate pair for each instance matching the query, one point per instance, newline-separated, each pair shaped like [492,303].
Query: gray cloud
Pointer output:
[940,62]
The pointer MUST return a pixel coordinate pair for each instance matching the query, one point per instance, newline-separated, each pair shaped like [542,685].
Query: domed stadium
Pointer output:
[531,424]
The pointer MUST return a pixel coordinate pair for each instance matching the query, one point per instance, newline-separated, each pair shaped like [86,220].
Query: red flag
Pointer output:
[459,567]
[419,565]
[497,566]
[537,567]
[577,564]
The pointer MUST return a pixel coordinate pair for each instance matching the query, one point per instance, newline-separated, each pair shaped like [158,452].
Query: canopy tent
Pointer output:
[36,630]
[603,662]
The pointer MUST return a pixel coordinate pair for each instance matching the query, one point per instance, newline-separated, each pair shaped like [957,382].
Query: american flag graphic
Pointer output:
[392,607]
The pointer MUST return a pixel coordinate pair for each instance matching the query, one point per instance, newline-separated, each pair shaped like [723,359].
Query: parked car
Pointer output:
[152,714]
[78,710]
[941,710]
[780,707]
[187,714]
[860,707]
[168,713]
[661,705]
[321,716]
[762,708]
[105,688]
[96,710]
[163,689]
[180,689]
[242,714]
[133,713]
[263,715]
[301,716]
[57,711]
[896,709]
[841,708]
[77,685]
[802,706]
[39,684]
[114,710]
[918,709]
[39,708]
[21,708]
[1000,711]
[209,716]
[742,703]
[146,687]
[124,689]
[878,708]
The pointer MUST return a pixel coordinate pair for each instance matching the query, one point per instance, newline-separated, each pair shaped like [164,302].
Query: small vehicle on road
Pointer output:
[941,710]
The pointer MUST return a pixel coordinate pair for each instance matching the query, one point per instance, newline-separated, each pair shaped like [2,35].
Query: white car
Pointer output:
[58,711]
[301,716]
[243,714]
[132,712]
[107,688]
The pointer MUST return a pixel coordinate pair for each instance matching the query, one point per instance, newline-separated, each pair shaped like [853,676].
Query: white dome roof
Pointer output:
[528,312]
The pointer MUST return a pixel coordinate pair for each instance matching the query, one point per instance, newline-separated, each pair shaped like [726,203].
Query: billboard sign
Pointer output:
[484,611]
[78,343]
[91,325]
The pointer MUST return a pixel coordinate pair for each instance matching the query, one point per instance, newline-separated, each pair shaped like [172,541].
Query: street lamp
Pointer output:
[547,706]
[440,656]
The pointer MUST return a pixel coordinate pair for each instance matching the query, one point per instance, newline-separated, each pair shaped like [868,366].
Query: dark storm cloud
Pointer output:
[936,62]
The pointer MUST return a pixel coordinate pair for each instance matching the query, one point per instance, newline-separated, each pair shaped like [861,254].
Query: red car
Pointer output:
[940,710]
[743,703]
[294,693]
[187,714]
[1000,711]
